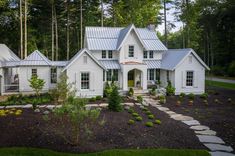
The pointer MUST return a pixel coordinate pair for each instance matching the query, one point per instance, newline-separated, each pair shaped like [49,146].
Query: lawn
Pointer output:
[220,84]
[142,152]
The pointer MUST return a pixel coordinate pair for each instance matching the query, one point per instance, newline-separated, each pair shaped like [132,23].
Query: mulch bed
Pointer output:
[218,116]
[29,130]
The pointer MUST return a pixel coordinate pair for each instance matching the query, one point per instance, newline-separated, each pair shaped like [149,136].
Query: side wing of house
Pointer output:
[85,74]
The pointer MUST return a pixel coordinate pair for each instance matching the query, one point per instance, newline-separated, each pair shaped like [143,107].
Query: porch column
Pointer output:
[144,79]
[124,79]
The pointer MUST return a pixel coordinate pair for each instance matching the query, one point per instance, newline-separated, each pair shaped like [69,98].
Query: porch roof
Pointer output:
[110,64]
[153,64]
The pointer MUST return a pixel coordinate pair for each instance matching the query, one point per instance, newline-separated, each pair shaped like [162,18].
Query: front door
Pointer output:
[131,78]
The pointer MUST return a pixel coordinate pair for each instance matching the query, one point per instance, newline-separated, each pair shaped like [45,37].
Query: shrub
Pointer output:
[204,96]
[148,112]
[115,100]
[162,99]
[218,70]
[157,122]
[191,96]
[75,114]
[231,69]
[93,99]
[149,124]
[138,118]
[107,90]
[135,114]
[98,97]
[145,109]
[131,122]
[170,90]
[151,116]
[131,92]
[36,84]
[182,94]
[131,110]
[153,91]
[140,99]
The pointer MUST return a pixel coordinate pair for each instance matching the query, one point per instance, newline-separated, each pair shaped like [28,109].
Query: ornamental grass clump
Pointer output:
[138,118]
[131,122]
[157,122]
[151,116]
[149,124]
[135,114]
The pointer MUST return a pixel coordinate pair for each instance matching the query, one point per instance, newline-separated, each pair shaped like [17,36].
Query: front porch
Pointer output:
[10,81]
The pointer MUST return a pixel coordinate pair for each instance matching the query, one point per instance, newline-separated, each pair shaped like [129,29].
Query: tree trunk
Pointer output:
[67,29]
[52,32]
[25,28]
[102,14]
[165,23]
[81,23]
[21,33]
[56,35]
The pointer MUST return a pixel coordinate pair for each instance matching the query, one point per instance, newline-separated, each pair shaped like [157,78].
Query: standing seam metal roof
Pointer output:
[110,64]
[153,64]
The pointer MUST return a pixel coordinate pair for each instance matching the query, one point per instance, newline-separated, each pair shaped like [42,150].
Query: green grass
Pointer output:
[220,84]
[116,152]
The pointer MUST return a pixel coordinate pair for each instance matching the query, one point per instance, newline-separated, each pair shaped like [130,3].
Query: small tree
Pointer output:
[170,90]
[115,100]
[36,84]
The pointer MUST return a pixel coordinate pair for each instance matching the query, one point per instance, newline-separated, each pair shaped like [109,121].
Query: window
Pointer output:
[103,54]
[110,54]
[34,72]
[85,77]
[151,74]
[103,75]
[85,59]
[115,75]
[150,54]
[109,75]
[145,54]
[158,74]
[53,75]
[167,76]
[131,51]
[190,59]
[189,78]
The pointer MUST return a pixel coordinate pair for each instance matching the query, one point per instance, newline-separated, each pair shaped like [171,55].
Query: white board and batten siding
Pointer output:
[25,74]
[95,76]
[198,76]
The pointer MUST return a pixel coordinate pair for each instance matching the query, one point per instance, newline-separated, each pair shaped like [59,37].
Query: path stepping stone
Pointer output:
[175,115]
[27,106]
[138,104]
[218,147]
[183,118]
[58,106]
[163,108]
[191,122]
[14,106]
[50,107]
[106,105]
[206,132]
[42,106]
[199,128]
[210,139]
[170,112]
[92,105]
[1,107]
[221,154]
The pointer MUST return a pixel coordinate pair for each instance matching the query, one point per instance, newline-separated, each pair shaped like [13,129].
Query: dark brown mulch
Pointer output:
[218,116]
[29,130]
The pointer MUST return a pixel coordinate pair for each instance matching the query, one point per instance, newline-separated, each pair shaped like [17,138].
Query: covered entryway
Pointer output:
[134,78]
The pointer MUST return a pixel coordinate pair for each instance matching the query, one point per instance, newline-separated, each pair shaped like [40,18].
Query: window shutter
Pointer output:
[78,81]
[195,79]
[183,79]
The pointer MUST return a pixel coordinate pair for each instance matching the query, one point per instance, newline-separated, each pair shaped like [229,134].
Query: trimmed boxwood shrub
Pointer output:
[149,124]
[131,110]
[135,114]
[151,116]
[145,109]
[148,112]
[191,96]
[204,96]
[158,122]
[131,122]
[138,118]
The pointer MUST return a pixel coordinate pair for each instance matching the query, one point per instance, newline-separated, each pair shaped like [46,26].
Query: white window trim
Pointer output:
[192,79]
[81,80]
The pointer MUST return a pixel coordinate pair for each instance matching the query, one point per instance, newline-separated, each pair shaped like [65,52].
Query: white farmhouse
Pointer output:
[132,57]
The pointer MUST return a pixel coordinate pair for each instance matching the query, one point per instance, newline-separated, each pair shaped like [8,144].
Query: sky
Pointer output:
[170,18]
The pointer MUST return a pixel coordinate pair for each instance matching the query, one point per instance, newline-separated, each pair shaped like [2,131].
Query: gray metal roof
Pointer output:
[59,63]
[110,64]
[153,64]
[6,55]
[36,58]
[109,38]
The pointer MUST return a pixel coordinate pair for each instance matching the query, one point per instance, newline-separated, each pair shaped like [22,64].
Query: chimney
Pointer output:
[151,27]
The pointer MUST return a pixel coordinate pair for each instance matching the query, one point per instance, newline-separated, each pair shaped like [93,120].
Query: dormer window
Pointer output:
[145,54]
[103,53]
[150,54]
[131,51]
[110,54]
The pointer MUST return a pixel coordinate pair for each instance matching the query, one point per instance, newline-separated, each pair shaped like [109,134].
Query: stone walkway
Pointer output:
[205,135]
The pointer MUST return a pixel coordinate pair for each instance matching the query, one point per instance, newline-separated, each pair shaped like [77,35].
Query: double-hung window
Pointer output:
[145,54]
[53,75]
[189,78]
[85,80]
[115,74]
[151,74]
[109,75]
[112,74]
[150,54]
[110,54]
[131,51]
[103,53]
[34,72]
